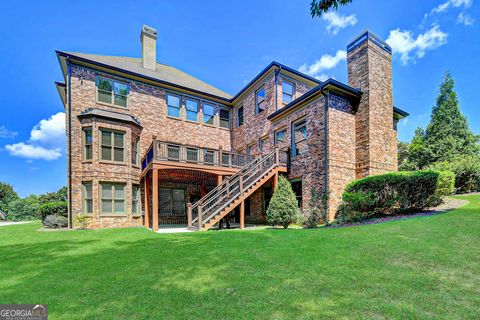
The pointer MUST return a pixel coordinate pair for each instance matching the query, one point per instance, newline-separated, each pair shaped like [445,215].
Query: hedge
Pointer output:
[58,208]
[466,170]
[393,193]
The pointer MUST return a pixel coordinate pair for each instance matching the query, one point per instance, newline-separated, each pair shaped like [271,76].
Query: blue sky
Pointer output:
[224,43]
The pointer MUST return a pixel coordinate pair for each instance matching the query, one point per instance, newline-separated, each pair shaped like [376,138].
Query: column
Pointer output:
[155,200]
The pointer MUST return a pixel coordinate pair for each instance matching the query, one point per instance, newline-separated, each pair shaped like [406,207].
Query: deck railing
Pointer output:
[170,151]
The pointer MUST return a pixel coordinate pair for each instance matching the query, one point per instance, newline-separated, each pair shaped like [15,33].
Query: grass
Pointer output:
[426,267]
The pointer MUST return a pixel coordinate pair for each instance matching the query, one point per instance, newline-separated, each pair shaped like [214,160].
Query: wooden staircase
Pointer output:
[233,191]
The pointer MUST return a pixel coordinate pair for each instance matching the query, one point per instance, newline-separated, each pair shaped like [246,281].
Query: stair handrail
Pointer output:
[253,167]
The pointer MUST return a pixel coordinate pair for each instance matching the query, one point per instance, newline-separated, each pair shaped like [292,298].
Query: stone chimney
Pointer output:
[370,70]
[148,38]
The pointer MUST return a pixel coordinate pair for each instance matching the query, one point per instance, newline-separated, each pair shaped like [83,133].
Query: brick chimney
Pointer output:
[148,38]
[370,70]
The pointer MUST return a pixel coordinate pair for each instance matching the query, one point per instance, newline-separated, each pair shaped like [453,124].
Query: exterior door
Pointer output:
[171,206]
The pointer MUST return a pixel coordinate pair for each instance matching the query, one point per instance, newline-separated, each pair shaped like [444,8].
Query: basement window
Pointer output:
[136,210]
[87,198]
[112,198]
[112,92]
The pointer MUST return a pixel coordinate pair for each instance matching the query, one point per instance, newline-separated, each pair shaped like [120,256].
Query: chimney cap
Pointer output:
[149,31]
[365,36]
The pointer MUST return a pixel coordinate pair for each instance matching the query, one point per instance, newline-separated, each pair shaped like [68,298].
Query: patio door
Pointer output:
[171,206]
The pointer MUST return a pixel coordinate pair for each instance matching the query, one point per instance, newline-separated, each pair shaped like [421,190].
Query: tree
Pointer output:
[402,154]
[7,195]
[59,195]
[283,207]
[23,209]
[318,7]
[448,135]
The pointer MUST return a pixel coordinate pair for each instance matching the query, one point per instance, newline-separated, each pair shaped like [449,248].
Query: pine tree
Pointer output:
[283,207]
[448,134]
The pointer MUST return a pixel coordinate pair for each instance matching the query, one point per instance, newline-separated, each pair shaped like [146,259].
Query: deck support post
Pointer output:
[146,194]
[189,214]
[219,179]
[275,180]
[155,200]
[242,214]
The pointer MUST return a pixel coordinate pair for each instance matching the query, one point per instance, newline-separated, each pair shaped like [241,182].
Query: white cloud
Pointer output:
[337,22]
[47,140]
[5,133]
[29,151]
[452,3]
[50,131]
[404,43]
[465,19]
[325,62]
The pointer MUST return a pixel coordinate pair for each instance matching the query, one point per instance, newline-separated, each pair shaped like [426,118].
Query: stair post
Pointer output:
[200,214]
[189,214]
[242,204]
[277,156]
[240,183]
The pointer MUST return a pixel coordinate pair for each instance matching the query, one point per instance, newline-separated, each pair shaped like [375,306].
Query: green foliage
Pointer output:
[447,135]
[82,221]
[318,7]
[58,208]
[54,221]
[7,195]
[318,209]
[23,209]
[60,195]
[466,170]
[283,208]
[394,193]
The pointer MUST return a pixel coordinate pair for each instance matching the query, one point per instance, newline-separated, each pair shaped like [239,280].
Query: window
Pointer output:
[112,197]
[224,118]
[173,206]
[280,136]
[87,140]
[112,92]
[287,91]
[112,146]
[240,116]
[260,102]
[299,135]
[208,113]
[192,109]
[262,143]
[87,198]
[173,105]
[249,149]
[136,210]
[136,151]
[297,189]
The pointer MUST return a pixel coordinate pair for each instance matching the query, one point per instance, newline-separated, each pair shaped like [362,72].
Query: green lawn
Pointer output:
[426,267]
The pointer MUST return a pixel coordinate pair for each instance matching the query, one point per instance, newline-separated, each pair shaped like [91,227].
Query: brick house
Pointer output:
[149,145]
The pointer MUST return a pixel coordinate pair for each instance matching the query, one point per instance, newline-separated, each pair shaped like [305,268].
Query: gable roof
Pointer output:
[163,72]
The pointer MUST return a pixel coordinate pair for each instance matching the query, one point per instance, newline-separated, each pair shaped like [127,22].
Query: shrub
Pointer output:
[58,208]
[54,221]
[393,193]
[318,209]
[466,170]
[81,221]
[283,207]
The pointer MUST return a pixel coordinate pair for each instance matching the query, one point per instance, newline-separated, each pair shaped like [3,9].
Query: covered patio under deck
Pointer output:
[174,175]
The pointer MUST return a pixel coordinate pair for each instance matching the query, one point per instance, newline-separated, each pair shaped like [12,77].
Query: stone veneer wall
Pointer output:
[148,104]
[370,70]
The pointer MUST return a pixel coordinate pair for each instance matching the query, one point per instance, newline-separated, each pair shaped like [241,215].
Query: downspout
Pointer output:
[70,224]
[276,87]
[326,145]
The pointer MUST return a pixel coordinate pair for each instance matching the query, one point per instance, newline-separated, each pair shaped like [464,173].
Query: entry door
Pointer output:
[172,206]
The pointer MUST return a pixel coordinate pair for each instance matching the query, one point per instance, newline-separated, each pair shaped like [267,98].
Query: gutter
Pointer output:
[69,101]
[326,144]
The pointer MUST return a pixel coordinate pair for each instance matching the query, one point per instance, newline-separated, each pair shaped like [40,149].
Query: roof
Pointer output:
[267,68]
[352,94]
[90,112]
[163,73]
[399,113]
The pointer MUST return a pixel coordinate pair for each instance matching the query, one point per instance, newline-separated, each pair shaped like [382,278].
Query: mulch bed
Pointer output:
[447,205]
